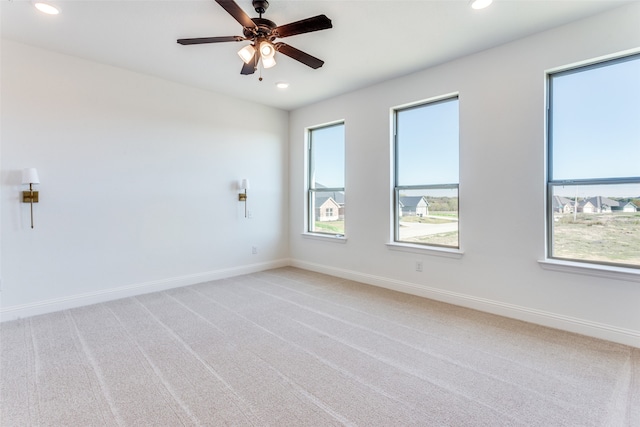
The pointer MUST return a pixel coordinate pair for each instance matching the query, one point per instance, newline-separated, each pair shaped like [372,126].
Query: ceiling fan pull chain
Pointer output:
[257,66]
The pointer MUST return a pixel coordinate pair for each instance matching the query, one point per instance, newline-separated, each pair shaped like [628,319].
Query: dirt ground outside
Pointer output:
[607,237]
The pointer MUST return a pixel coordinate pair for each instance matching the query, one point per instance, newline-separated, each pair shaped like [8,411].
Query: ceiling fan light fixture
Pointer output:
[480,4]
[268,62]
[46,8]
[267,50]
[282,85]
[247,53]
[267,53]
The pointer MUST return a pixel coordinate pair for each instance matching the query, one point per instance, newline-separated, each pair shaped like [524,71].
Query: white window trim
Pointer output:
[569,266]
[402,246]
[426,250]
[306,233]
[588,269]
[334,238]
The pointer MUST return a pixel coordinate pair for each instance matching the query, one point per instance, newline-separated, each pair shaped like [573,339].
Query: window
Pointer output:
[593,187]
[427,173]
[326,180]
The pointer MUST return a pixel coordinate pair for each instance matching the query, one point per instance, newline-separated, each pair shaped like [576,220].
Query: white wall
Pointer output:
[138,183]
[502,190]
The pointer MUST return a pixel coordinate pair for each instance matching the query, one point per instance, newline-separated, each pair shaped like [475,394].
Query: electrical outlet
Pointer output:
[419,266]
[249,214]
[254,250]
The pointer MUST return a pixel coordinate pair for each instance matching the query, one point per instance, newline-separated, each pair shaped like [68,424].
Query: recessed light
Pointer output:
[480,4]
[46,8]
[282,85]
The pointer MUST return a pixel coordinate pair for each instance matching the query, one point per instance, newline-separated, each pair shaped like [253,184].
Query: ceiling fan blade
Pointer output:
[234,10]
[299,55]
[250,68]
[316,23]
[202,40]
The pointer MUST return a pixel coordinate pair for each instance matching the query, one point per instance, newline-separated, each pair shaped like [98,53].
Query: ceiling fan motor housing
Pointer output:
[265,27]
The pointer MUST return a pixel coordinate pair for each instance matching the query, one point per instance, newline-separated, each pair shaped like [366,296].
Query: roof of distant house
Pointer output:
[599,200]
[337,196]
[411,201]
[322,200]
[560,201]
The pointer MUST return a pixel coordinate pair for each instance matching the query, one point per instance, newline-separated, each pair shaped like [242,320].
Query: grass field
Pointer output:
[608,237]
[334,227]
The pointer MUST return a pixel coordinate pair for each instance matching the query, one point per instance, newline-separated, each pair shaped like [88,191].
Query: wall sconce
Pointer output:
[243,196]
[30,176]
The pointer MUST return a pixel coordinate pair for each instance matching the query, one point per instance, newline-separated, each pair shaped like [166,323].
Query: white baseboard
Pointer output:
[79,300]
[539,317]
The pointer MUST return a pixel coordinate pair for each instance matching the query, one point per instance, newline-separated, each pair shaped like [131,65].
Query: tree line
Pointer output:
[440,204]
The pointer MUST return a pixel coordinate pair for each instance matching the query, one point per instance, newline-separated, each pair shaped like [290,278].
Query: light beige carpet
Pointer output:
[289,347]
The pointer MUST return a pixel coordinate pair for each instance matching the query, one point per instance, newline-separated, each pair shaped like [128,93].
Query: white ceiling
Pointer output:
[370,41]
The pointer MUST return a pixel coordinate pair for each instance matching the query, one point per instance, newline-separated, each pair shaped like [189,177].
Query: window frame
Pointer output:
[577,263]
[413,246]
[310,190]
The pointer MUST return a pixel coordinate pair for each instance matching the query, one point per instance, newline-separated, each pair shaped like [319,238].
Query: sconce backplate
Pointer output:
[29,197]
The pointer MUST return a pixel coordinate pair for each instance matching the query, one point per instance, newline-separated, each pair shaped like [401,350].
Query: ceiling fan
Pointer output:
[262,33]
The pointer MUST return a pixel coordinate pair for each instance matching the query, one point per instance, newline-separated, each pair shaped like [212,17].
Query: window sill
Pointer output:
[336,238]
[606,271]
[425,250]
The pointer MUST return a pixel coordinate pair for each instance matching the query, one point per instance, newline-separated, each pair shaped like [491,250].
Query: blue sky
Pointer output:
[596,123]
[428,144]
[428,150]
[595,134]
[328,155]
[595,128]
